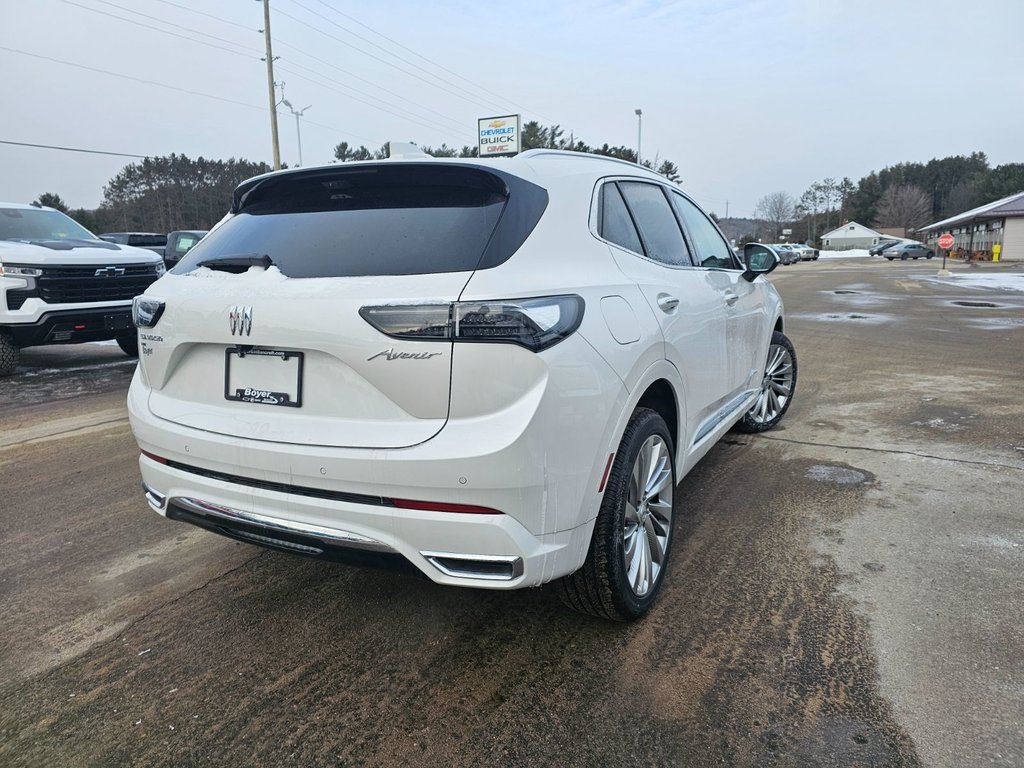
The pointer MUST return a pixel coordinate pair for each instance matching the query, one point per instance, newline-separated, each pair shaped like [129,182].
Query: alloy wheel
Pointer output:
[648,518]
[776,386]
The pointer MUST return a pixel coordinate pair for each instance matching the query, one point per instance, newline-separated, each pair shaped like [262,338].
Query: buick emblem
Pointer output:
[240,319]
[109,272]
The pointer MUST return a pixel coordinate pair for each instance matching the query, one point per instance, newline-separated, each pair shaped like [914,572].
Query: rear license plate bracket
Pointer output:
[263,376]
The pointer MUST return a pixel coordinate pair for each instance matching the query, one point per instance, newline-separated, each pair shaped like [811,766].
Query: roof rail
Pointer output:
[588,156]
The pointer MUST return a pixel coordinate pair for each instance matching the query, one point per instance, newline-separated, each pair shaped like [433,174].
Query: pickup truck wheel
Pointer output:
[629,550]
[8,356]
[777,387]
[129,344]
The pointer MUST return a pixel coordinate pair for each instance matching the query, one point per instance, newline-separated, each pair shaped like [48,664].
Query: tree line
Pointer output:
[905,196]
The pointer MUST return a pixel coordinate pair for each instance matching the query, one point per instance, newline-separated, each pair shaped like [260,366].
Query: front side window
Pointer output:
[658,226]
[712,250]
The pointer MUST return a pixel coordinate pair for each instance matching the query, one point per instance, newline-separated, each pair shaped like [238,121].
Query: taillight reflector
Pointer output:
[439,506]
[607,469]
[154,457]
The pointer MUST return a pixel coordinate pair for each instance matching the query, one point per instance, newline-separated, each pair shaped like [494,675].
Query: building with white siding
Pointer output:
[977,231]
[851,235]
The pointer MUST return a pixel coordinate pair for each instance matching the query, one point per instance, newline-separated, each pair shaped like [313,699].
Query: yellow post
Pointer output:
[996,250]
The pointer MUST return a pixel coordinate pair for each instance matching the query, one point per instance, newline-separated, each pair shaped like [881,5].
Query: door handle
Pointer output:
[666,302]
[731,298]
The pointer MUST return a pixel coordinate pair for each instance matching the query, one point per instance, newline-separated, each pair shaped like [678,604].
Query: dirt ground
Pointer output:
[844,590]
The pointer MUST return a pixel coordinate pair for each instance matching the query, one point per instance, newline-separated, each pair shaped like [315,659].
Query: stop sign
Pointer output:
[946,241]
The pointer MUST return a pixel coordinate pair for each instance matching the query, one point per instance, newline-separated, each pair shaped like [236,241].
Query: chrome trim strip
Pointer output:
[514,562]
[156,500]
[721,414]
[333,535]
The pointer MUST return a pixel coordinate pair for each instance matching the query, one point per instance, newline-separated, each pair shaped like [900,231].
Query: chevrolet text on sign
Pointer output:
[498,135]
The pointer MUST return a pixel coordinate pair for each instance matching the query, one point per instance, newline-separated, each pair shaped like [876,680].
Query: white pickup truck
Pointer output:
[60,284]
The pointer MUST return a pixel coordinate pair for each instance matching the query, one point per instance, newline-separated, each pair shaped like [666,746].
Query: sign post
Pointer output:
[498,136]
[945,243]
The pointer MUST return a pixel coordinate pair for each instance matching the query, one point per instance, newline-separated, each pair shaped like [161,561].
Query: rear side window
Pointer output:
[375,220]
[616,224]
[657,224]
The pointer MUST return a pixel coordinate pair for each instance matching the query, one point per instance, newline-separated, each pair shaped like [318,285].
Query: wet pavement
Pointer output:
[844,590]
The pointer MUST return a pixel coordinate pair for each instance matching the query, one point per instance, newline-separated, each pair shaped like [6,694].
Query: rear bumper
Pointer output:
[73,326]
[491,551]
[535,464]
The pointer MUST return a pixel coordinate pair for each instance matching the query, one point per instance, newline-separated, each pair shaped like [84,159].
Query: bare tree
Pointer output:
[776,209]
[904,205]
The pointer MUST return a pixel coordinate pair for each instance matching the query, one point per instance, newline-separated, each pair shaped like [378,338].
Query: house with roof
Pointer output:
[851,235]
[976,232]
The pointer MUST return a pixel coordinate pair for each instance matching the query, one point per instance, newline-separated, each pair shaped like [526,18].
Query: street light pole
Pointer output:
[298,131]
[639,133]
[270,86]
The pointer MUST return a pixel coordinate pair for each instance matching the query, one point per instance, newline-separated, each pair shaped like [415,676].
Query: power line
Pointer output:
[73,149]
[462,96]
[424,58]
[406,116]
[171,88]
[155,29]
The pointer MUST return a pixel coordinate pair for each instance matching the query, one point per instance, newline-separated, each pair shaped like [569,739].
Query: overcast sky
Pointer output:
[745,96]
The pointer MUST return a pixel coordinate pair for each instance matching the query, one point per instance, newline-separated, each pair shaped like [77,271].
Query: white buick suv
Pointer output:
[495,371]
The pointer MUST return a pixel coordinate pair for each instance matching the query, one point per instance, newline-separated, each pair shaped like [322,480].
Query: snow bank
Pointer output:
[1007,281]
[853,253]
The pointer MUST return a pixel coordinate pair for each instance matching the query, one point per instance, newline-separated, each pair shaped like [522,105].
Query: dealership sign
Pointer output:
[498,135]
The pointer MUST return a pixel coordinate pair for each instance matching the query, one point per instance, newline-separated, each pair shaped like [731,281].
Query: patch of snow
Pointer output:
[853,253]
[273,274]
[106,343]
[1008,281]
[845,317]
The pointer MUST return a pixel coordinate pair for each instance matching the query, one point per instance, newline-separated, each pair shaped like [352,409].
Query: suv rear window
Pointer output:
[402,219]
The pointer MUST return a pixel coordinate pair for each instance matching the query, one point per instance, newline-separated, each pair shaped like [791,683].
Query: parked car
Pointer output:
[60,284]
[497,372]
[150,240]
[787,254]
[906,251]
[179,243]
[879,249]
[805,252]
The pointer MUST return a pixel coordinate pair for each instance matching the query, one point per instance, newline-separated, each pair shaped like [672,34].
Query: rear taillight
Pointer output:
[146,311]
[532,323]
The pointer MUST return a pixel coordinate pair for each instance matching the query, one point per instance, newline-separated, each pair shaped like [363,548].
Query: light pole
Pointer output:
[298,132]
[639,124]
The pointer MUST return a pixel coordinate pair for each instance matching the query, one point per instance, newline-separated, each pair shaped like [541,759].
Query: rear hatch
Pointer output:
[261,335]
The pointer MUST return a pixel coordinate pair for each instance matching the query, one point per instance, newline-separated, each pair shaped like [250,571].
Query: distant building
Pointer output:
[976,231]
[896,233]
[850,235]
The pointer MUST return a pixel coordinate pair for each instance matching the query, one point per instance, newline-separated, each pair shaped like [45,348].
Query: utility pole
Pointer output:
[639,125]
[270,86]
[727,209]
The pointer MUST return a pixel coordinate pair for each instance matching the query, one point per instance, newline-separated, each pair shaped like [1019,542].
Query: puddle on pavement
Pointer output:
[830,473]
[981,304]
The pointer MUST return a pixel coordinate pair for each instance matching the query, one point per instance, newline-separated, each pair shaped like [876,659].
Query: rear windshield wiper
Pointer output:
[240,262]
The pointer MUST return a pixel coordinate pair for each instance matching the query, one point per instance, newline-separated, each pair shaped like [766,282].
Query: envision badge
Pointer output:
[390,354]
[240,319]
[109,272]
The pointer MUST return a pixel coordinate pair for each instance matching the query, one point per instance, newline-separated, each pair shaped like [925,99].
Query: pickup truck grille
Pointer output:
[82,285]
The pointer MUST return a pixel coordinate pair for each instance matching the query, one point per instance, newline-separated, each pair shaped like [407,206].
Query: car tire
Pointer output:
[889,258]
[777,387]
[613,583]
[129,344]
[9,355]
[930,254]
[903,257]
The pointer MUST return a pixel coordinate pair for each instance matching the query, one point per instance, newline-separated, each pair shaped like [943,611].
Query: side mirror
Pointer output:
[759,260]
